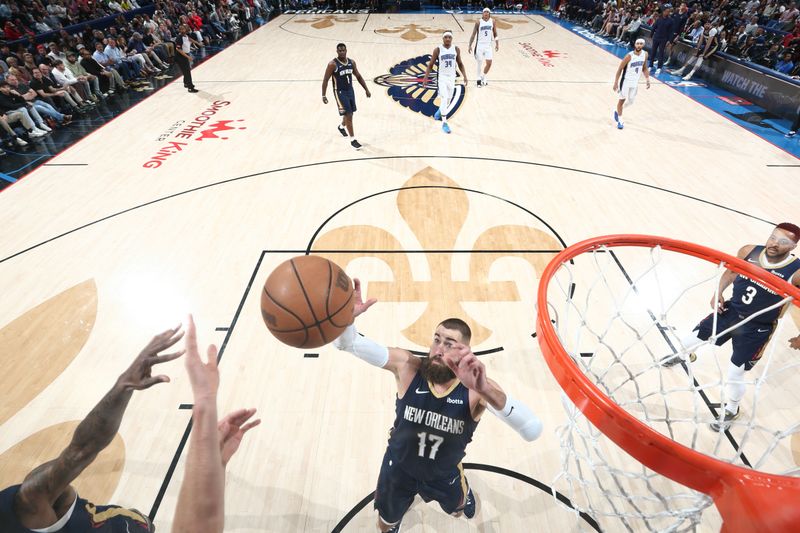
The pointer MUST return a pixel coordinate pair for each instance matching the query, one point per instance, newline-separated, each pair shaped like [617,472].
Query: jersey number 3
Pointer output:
[749,294]
[423,441]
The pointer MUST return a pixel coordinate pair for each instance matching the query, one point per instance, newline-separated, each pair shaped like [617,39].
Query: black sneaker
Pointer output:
[355,144]
[479,83]
[672,360]
[469,505]
[791,134]
[342,130]
[395,528]
[726,421]
[193,90]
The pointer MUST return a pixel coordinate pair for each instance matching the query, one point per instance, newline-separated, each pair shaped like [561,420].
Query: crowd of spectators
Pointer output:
[764,32]
[52,69]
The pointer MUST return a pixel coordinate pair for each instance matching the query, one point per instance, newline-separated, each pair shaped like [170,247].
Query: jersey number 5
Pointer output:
[750,293]
[423,441]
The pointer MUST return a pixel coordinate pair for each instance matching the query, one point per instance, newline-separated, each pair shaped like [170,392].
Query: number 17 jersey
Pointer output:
[431,433]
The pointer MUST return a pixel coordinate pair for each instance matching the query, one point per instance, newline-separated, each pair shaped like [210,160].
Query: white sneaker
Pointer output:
[658,71]
[45,127]
[20,142]
[34,133]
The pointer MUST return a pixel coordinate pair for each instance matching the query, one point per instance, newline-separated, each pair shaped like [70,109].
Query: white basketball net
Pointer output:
[618,312]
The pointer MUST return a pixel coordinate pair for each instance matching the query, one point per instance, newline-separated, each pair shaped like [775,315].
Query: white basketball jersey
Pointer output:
[447,61]
[485,32]
[634,69]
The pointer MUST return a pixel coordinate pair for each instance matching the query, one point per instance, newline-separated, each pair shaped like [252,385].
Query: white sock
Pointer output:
[479,70]
[734,388]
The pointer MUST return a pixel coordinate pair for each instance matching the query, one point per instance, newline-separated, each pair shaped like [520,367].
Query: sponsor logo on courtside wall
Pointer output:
[583,32]
[181,135]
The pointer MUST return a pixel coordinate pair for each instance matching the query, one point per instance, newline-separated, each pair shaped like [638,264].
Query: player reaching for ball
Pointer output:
[440,400]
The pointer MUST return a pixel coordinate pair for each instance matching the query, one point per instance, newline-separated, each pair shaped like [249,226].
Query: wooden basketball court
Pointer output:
[187,202]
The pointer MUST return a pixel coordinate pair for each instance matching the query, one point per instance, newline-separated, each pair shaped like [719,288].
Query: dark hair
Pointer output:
[57,62]
[341,45]
[790,228]
[4,84]
[458,325]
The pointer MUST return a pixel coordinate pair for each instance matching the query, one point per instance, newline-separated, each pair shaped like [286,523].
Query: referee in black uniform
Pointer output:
[183,56]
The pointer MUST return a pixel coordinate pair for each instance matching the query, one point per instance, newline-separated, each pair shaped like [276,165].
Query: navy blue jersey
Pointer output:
[343,75]
[431,433]
[749,296]
[86,517]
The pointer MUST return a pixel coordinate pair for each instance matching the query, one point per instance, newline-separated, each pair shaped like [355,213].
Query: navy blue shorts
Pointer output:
[749,340]
[346,100]
[396,490]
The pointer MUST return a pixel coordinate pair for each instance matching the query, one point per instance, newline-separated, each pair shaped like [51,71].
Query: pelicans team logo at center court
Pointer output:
[405,87]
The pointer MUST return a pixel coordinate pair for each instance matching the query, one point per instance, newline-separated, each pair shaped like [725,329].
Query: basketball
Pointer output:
[307,301]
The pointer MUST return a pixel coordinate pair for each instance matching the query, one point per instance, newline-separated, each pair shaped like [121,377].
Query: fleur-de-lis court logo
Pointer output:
[325,21]
[405,87]
[502,23]
[436,209]
[412,32]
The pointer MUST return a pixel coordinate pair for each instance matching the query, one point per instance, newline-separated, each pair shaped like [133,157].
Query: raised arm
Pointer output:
[472,373]
[496,42]
[35,501]
[328,74]
[620,68]
[472,37]
[360,79]
[434,57]
[401,363]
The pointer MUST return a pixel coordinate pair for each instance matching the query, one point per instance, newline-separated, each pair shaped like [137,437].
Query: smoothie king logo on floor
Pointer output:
[180,136]
[545,57]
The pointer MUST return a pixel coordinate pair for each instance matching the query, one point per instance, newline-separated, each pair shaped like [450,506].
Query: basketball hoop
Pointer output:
[623,392]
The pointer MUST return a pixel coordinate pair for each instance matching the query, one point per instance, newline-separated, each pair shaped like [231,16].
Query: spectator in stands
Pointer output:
[82,74]
[18,70]
[792,39]
[47,90]
[101,56]
[795,126]
[12,104]
[770,9]
[13,137]
[109,77]
[751,26]
[64,77]
[11,32]
[45,109]
[136,44]
[662,31]
[785,65]
[142,60]
[55,53]
[787,18]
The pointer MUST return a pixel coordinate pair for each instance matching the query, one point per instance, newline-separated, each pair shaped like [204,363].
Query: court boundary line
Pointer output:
[377,158]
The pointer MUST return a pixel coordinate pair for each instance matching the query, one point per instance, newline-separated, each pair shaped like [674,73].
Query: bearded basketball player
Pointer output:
[486,31]
[626,81]
[749,298]
[440,400]
[448,55]
[341,70]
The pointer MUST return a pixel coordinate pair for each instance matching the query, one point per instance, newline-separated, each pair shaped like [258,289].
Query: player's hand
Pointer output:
[231,432]
[469,50]
[138,375]
[467,368]
[794,343]
[648,84]
[497,46]
[324,99]
[718,303]
[424,83]
[369,94]
[360,306]
[616,88]
[204,377]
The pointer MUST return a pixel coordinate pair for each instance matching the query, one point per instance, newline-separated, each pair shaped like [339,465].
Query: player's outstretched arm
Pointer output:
[328,74]
[472,373]
[360,79]
[35,501]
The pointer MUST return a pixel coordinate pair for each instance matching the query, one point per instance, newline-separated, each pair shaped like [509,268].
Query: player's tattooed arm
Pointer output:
[328,74]
[49,481]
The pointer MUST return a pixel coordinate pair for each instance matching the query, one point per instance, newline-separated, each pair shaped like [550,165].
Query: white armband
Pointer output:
[520,417]
[365,349]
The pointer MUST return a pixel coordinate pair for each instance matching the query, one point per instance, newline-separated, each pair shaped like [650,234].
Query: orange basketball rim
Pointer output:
[747,500]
